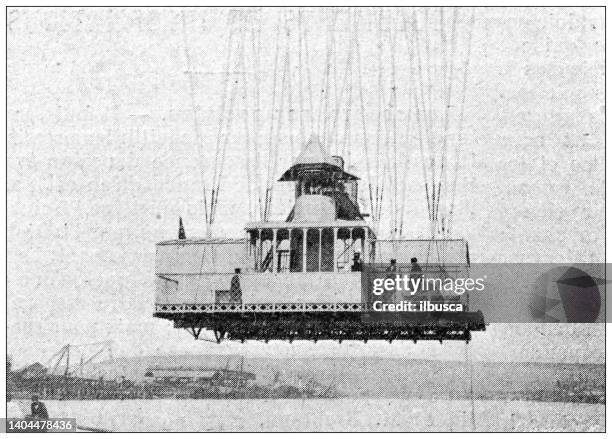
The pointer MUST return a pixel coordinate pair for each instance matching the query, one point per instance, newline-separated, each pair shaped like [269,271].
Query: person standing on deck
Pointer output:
[357,264]
[415,265]
[391,274]
[235,290]
[415,271]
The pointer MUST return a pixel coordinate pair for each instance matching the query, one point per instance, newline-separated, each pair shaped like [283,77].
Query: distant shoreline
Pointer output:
[402,378]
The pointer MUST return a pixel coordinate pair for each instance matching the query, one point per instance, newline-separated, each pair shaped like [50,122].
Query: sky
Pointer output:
[103,159]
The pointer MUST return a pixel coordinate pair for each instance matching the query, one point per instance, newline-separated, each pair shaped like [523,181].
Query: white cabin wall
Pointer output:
[301,287]
[263,288]
[198,257]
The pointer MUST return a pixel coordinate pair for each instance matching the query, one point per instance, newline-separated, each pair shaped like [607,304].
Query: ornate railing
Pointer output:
[179,308]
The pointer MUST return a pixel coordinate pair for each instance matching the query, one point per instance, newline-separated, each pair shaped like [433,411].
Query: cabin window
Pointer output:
[327,250]
[344,247]
[282,250]
[299,250]
[296,250]
[358,243]
[254,248]
[266,250]
[312,250]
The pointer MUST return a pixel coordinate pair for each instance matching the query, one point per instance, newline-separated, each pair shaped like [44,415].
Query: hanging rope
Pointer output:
[393,115]
[382,124]
[229,120]
[379,104]
[196,123]
[272,152]
[333,134]
[300,79]
[429,120]
[459,142]
[324,101]
[434,127]
[334,79]
[432,77]
[447,105]
[410,43]
[272,174]
[413,46]
[289,91]
[308,79]
[410,87]
[256,55]
[362,112]
[424,121]
[223,137]
[346,147]
[247,114]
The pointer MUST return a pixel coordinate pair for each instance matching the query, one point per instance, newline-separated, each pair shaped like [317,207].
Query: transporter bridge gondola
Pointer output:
[308,277]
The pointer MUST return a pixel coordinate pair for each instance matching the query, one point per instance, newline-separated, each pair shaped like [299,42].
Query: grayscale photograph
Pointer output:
[305,219]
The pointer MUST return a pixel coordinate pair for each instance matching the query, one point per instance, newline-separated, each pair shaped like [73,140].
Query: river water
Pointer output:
[329,415]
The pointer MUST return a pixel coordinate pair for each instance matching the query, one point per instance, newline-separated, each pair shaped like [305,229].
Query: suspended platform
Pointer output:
[311,276]
[317,321]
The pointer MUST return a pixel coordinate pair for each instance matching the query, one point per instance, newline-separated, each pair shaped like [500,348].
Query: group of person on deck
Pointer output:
[415,269]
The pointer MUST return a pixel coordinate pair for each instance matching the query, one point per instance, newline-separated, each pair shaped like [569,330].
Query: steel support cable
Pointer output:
[338,102]
[362,110]
[446,120]
[425,122]
[386,173]
[430,118]
[289,89]
[324,79]
[334,77]
[447,104]
[246,120]
[339,99]
[407,154]
[324,102]
[349,105]
[416,103]
[429,74]
[443,70]
[196,123]
[444,107]
[393,111]
[445,195]
[223,153]
[380,100]
[387,163]
[387,127]
[411,58]
[222,111]
[308,78]
[278,131]
[404,180]
[459,142]
[256,54]
[269,175]
[346,147]
[300,79]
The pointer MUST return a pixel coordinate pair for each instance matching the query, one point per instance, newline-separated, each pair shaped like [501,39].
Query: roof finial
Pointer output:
[181,233]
